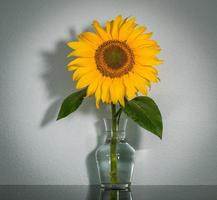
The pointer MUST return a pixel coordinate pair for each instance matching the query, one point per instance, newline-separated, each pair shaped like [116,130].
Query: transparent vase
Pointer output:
[115,158]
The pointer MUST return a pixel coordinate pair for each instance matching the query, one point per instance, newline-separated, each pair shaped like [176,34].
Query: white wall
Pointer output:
[35,149]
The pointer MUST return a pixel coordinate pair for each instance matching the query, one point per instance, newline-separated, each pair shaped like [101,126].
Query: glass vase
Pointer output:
[115,158]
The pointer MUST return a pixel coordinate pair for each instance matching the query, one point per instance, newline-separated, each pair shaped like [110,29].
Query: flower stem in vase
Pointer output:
[114,178]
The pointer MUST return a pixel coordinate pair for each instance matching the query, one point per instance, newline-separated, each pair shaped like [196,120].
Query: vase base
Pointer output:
[119,186]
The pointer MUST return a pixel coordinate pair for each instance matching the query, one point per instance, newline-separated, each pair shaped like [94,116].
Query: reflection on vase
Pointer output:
[115,195]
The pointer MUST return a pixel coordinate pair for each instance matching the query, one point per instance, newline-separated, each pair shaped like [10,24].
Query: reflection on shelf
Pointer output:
[115,195]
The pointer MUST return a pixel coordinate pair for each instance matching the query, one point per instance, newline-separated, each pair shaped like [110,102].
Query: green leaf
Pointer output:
[71,103]
[144,111]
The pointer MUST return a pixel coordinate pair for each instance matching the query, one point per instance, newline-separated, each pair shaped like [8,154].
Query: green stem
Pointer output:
[114,195]
[114,178]
[118,118]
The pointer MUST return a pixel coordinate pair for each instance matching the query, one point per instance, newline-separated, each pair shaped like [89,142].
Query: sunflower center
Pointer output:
[114,58]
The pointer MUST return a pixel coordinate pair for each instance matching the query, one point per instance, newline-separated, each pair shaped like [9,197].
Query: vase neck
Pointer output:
[120,131]
[120,135]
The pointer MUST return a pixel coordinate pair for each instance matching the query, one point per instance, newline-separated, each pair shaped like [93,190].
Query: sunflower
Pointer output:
[116,61]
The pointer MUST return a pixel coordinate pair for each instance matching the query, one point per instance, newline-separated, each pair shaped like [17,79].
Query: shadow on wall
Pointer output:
[59,85]
[56,78]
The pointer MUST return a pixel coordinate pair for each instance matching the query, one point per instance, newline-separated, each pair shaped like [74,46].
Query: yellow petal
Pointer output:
[145,36]
[87,79]
[85,53]
[117,91]
[108,28]
[93,86]
[126,28]
[130,89]
[91,38]
[80,45]
[82,62]
[81,71]
[121,88]
[142,43]
[98,93]
[113,95]
[115,27]
[151,69]
[146,51]
[100,31]
[139,82]
[75,67]
[146,73]
[135,33]
[105,89]
[122,96]
[72,67]
[151,61]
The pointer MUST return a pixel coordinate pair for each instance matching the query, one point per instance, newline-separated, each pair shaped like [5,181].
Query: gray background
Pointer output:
[35,149]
